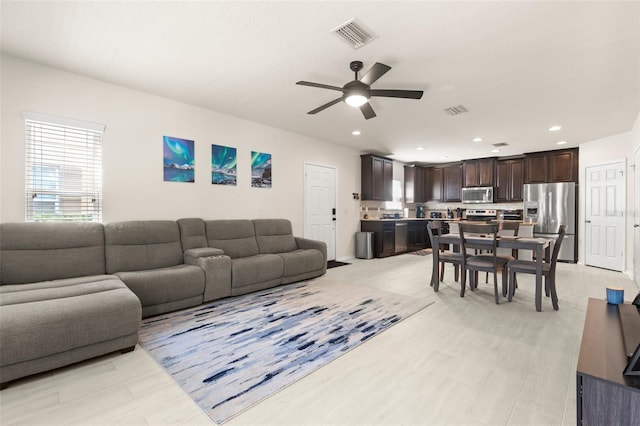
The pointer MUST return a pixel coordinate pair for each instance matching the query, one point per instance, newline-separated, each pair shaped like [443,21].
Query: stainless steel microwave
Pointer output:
[477,195]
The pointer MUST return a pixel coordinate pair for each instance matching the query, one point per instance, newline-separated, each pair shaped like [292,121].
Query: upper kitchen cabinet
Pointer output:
[414,184]
[509,176]
[478,172]
[377,178]
[434,183]
[551,166]
[452,183]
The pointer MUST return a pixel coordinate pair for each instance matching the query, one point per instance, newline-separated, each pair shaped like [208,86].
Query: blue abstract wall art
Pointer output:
[260,170]
[178,159]
[223,165]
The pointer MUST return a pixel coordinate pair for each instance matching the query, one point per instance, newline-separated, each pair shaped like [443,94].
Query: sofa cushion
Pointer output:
[301,261]
[256,269]
[53,317]
[274,235]
[33,252]
[142,245]
[163,285]
[192,233]
[236,237]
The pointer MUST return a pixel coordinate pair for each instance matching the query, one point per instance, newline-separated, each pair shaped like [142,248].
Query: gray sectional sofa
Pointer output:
[70,292]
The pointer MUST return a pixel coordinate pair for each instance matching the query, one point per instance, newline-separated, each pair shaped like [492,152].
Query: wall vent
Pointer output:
[499,144]
[456,110]
[354,33]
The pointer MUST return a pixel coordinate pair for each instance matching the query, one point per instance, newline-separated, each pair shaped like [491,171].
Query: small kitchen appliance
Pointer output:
[421,211]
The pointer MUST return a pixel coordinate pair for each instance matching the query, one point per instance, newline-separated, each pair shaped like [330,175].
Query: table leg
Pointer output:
[434,272]
[539,278]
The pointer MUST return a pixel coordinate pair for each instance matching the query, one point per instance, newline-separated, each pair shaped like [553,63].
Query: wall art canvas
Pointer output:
[260,170]
[223,165]
[178,159]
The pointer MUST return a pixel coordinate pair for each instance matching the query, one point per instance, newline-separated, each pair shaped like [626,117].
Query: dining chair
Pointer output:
[548,270]
[434,228]
[509,229]
[483,262]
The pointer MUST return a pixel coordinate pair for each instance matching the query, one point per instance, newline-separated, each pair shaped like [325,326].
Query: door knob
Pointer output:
[636,226]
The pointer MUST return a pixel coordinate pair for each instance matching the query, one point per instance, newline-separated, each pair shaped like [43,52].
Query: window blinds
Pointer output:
[63,170]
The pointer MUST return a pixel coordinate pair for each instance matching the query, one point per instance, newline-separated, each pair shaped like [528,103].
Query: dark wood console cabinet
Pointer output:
[604,396]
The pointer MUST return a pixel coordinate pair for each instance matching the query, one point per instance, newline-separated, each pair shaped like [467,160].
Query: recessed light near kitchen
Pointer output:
[555,128]
[420,148]
[477,139]
[561,143]
[495,150]
[444,157]
[356,133]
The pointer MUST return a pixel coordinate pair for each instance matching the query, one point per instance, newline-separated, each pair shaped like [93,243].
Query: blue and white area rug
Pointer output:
[230,354]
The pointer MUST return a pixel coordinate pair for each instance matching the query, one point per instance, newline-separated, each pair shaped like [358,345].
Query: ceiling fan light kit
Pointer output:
[357,93]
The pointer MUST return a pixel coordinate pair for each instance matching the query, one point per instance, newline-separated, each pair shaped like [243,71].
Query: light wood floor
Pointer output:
[460,361]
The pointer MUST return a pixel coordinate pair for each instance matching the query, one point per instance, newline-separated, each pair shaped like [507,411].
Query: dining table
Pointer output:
[540,246]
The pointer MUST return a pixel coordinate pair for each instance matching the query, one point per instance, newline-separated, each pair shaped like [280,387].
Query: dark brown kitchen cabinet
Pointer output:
[434,183]
[377,178]
[478,172]
[452,183]
[551,166]
[414,184]
[384,236]
[509,179]
[417,237]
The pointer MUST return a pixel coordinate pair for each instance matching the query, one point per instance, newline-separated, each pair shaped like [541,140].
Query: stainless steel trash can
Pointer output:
[364,245]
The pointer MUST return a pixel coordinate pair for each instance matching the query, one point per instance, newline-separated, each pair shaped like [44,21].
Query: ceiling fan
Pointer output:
[357,93]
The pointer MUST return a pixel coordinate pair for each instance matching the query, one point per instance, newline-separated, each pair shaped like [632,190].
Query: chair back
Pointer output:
[556,246]
[488,230]
[509,226]
[434,228]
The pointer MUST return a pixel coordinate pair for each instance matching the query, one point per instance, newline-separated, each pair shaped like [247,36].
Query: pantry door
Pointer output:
[320,206]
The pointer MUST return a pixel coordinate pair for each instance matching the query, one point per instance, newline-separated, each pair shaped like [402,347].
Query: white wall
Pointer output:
[133,174]
[614,148]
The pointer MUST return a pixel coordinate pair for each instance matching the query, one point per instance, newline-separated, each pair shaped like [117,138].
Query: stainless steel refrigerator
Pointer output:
[549,205]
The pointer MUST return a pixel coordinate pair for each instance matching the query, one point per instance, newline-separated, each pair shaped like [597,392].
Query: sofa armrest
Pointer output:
[306,243]
[217,272]
[203,252]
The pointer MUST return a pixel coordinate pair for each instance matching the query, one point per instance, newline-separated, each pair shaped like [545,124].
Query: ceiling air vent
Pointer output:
[456,110]
[354,33]
[499,144]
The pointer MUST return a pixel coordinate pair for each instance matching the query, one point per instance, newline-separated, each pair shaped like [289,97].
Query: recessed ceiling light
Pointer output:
[356,133]
[420,148]
[477,139]
[444,157]
[495,150]
[555,128]
[561,142]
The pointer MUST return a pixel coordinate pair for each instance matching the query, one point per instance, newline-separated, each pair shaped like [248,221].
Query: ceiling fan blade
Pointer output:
[321,86]
[367,111]
[376,71]
[407,94]
[325,106]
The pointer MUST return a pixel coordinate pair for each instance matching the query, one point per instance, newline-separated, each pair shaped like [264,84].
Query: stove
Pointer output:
[481,214]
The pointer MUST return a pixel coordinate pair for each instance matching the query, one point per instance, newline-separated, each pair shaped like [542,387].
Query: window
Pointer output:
[63,169]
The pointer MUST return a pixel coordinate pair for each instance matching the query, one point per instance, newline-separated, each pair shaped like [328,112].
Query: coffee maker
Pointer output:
[421,211]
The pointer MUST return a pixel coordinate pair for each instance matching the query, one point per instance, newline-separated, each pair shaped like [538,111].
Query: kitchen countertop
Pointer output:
[444,219]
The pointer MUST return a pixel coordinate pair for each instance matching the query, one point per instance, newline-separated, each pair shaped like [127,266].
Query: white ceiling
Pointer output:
[518,67]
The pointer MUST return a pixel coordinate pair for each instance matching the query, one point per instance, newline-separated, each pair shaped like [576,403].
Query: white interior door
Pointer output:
[320,206]
[604,216]
[636,217]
